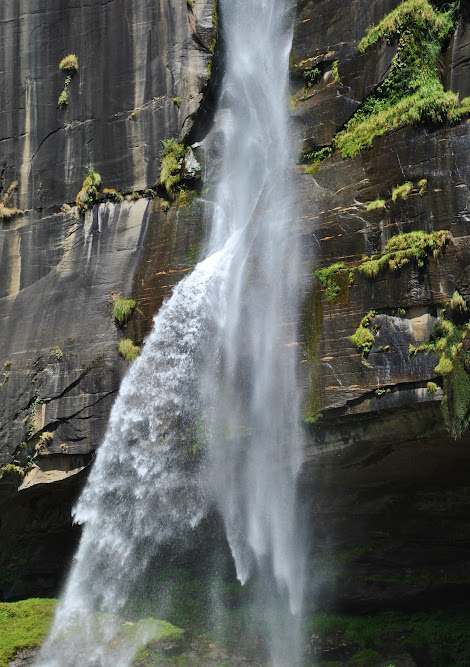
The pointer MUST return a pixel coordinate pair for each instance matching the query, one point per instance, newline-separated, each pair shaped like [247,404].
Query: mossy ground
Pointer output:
[435,637]
[23,625]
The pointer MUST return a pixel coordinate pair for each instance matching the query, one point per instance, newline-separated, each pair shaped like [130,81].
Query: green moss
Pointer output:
[412,93]
[363,338]
[335,73]
[439,634]
[23,625]
[376,204]
[405,248]
[171,164]
[446,343]
[88,195]
[432,387]
[402,191]
[422,184]
[123,309]
[336,281]
[127,349]
[113,195]
[185,197]
[399,251]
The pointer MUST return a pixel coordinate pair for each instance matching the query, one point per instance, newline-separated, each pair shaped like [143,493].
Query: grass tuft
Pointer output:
[88,194]
[7,212]
[69,64]
[127,349]
[376,204]
[171,165]
[123,309]
[113,195]
[402,191]
[363,338]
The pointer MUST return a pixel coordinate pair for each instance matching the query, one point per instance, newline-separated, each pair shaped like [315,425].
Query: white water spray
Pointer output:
[221,354]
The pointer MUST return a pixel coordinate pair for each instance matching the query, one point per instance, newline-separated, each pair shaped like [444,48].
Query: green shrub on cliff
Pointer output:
[413,92]
[399,251]
[23,625]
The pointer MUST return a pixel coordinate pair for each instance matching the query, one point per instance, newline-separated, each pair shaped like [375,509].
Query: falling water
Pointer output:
[221,355]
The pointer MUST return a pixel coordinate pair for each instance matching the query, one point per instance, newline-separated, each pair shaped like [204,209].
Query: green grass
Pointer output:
[440,634]
[69,64]
[399,251]
[113,195]
[23,625]
[446,344]
[170,170]
[336,281]
[127,349]
[123,309]
[402,249]
[363,338]
[88,195]
[376,204]
[403,191]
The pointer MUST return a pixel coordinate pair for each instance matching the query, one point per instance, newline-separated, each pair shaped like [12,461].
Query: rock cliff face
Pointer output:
[385,472]
[386,485]
[143,72]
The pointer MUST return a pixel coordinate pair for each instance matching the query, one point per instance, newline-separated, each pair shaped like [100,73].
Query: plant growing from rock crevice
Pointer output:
[69,65]
[7,212]
[449,342]
[336,281]
[88,195]
[127,349]
[399,251]
[171,165]
[123,309]
[363,338]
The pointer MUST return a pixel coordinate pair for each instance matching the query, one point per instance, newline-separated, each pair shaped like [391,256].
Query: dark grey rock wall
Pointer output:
[134,57]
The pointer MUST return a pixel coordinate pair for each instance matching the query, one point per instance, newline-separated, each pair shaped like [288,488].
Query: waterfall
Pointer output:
[222,356]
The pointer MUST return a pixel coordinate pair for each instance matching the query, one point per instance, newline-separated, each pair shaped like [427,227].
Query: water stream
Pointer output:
[216,377]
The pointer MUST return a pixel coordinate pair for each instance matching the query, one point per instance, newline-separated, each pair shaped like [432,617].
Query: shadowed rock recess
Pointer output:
[385,480]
